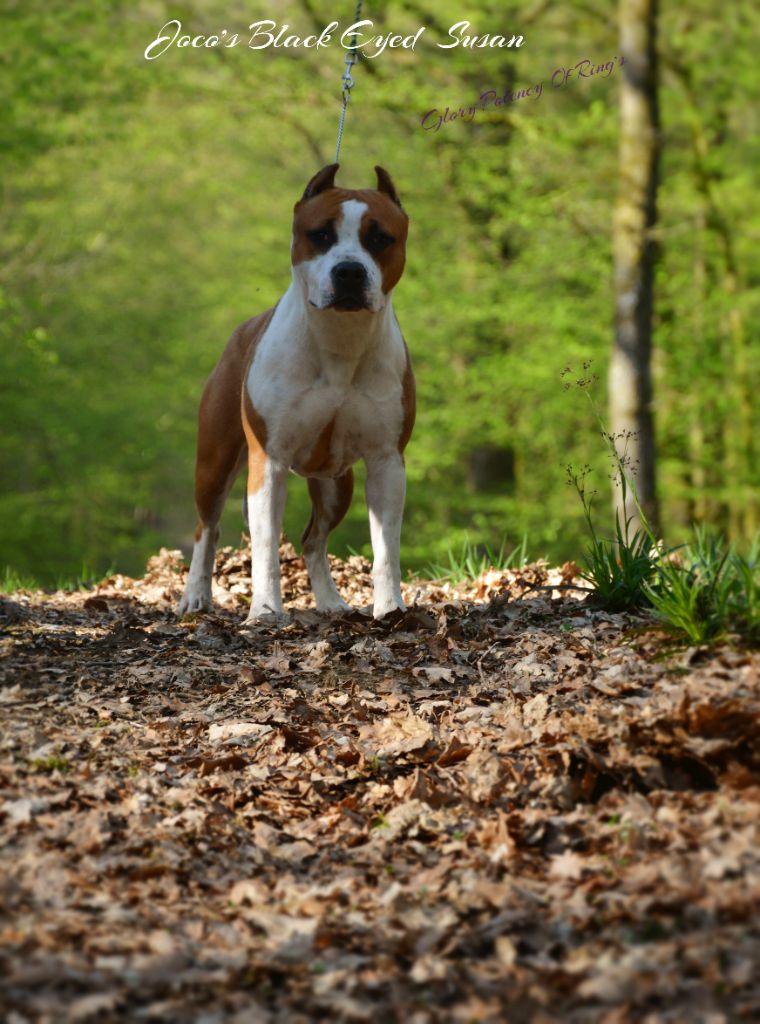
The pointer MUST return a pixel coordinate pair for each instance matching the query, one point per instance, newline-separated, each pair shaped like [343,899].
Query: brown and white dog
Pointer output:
[312,385]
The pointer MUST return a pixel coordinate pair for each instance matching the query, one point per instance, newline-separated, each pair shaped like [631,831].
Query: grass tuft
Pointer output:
[472,560]
[708,593]
[52,763]
[11,581]
[86,579]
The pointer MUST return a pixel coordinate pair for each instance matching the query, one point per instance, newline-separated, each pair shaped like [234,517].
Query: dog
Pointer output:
[312,385]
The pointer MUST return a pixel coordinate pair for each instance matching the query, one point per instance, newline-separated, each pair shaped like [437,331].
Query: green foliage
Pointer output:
[708,592]
[11,581]
[471,560]
[619,569]
[145,212]
[705,592]
[745,604]
[85,579]
[52,763]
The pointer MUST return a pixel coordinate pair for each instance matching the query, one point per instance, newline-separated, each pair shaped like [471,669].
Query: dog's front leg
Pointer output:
[385,490]
[267,487]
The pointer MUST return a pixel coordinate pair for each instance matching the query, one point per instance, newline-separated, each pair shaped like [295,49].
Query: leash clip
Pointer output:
[352,56]
[347,77]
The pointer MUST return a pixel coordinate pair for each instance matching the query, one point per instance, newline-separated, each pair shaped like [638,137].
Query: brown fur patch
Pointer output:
[319,456]
[222,439]
[345,491]
[322,180]
[408,402]
[256,435]
[392,219]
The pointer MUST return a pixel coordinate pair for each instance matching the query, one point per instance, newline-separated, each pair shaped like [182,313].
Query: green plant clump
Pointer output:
[472,560]
[704,592]
[709,592]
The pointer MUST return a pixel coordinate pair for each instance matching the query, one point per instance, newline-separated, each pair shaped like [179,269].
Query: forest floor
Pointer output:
[501,805]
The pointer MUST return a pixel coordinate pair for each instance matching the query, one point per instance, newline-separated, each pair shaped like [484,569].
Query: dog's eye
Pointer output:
[322,238]
[377,239]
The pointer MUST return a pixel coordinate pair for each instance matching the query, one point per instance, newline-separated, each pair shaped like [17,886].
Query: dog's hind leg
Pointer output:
[221,455]
[330,500]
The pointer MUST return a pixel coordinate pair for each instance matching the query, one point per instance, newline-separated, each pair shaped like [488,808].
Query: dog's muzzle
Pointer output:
[349,280]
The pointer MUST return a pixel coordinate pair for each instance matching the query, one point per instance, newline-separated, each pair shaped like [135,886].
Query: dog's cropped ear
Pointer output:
[322,180]
[385,184]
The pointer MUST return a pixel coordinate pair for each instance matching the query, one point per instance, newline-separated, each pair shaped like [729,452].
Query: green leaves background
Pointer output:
[145,211]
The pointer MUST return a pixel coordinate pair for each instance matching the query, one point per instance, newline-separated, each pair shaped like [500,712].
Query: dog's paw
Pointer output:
[195,599]
[382,608]
[265,616]
[335,606]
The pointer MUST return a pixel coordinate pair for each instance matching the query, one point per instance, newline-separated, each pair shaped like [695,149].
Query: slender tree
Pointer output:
[630,375]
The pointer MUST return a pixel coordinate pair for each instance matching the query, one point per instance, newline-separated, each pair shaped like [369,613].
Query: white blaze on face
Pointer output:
[315,274]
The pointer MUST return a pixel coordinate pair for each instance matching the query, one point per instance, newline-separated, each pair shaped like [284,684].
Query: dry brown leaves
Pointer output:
[500,805]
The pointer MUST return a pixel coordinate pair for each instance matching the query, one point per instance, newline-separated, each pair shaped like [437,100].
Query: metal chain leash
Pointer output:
[351,58]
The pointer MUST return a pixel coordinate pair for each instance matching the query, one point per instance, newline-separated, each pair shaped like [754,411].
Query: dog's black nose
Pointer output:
[349,274]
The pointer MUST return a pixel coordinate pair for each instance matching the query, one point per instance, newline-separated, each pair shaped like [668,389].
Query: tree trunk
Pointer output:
[630,375]
[697,442]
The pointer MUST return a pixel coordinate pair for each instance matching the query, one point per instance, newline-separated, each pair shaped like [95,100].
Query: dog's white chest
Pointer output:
[327,407]
[332,429]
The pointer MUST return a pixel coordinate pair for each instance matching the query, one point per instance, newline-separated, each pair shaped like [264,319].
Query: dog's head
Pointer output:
[348,244]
